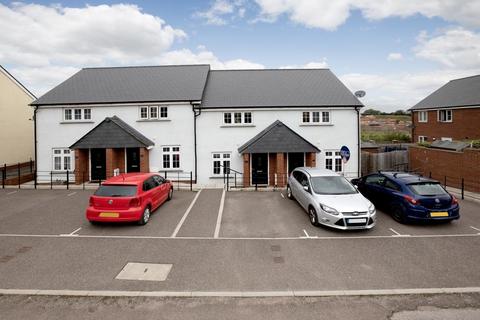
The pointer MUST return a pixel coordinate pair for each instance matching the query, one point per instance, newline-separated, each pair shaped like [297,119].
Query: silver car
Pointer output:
[330,199]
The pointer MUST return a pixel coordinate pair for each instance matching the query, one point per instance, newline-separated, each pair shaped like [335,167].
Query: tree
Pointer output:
[399,113]
[371,112]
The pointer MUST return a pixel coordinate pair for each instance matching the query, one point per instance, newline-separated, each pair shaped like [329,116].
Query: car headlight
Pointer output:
[329,210]
[371,209]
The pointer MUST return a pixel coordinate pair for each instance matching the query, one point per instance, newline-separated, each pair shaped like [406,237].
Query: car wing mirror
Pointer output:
[355,181]
[306,188]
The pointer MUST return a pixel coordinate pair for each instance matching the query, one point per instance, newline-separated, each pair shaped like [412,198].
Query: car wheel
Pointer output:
[312,215]
[145,216]
[170,194]
[398,214]
[289,193]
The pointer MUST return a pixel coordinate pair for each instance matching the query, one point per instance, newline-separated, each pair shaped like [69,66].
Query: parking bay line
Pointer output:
[179,225]
[475,228]
[398,234]
[71,194]
[71,234]
[220,214]
[9,193]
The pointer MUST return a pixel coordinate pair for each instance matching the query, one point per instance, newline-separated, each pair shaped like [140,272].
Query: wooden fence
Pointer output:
[394,160]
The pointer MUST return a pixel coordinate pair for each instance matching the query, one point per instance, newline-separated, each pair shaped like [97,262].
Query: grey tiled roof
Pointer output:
[456,93]
[129,84]
[277,137]
[276,88]
[112,133]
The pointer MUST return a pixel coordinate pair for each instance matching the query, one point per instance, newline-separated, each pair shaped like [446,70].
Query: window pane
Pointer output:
[328,164]
[216,167]
[176,160]
[57,151]
[66,163]
[166,149]
[226,166]
[57,163]
[153,112]
[87,114]
[238,117]
[315,116]
[166,161]
[78,114]
[227,117]
[247,117]
[175,149]
[144,112]
[226,155]
[163,112]
[306,116]
[325,116]
[338,164]
[216,155]
[328,153]
[68,114]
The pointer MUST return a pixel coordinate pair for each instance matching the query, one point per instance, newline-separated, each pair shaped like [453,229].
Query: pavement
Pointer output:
[248,244]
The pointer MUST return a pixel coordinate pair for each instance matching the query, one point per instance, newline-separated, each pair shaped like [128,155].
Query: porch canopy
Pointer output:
[276,138]
[112,133]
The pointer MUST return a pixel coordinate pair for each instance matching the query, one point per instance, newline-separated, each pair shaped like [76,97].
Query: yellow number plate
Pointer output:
[438,214]
[109,215]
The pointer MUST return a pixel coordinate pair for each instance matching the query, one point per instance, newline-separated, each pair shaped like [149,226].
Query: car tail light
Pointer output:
[411,200]
[135,202]
[91,202]
[454,200]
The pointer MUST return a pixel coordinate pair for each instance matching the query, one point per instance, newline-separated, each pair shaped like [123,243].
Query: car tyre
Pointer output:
[398,214]
[289,193]
[145,216]
[170,194]
[312,215]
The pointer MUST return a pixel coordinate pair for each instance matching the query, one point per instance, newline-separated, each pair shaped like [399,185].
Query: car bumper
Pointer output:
[342,223]
[423,214]
[132,214]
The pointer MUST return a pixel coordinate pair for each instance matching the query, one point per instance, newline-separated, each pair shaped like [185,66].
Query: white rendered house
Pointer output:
[256,124]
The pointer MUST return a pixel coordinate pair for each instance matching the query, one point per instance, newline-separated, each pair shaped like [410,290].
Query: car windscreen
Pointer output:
[332,185]
[427,189]
[116,191]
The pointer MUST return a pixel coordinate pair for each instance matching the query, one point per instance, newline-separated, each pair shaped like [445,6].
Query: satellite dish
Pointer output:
[360,94]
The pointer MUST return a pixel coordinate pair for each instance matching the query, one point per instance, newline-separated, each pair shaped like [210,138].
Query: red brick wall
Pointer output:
[453,165]
[465,125]
[281,169]
[81,165]
[119,159]
[310,160]
[144,160]
[246,169]
[272,167]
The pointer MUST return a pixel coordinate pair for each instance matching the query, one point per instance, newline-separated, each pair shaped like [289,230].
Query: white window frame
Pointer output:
[423,116]
[76,114]
[235,116]
[223,158]
[171,151]
[336,159]
[447,112]
[422,139]
[316,117]
[62,154]
[161,113]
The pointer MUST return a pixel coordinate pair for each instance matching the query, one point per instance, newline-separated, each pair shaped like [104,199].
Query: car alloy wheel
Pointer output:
[312,214]
[398,215]
[289,193]
[170,194]
[145,216]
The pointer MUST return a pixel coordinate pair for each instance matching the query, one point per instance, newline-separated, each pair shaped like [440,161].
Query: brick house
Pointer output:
[450,113]
[192,120]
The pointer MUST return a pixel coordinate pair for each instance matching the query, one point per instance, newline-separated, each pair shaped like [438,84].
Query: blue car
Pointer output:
[409,197]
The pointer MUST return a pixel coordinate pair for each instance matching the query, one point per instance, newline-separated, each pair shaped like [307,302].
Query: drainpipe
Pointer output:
[196,113]
[358,143]
[35,141]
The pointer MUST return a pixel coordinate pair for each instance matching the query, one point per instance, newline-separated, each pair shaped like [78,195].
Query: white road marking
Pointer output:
[175,232]
[306,234]
[475,228]
[12,192]
[397,234]
[281,193]
[220,214]
[246,238]
[239,294]
[73,233]
[71,194]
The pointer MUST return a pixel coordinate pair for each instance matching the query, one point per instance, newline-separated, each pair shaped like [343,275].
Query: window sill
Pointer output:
[76,121]
[237,125]
[218,177]
[315,124]
[153,120]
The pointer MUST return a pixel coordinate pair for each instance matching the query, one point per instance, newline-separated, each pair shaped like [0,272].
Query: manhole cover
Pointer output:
[144,271]
[275,247]
[278,260]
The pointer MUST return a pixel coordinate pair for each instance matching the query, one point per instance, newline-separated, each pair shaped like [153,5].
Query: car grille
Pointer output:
[354,214]
[344,223]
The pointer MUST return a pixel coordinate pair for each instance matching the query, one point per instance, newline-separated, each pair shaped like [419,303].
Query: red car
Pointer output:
[129,197]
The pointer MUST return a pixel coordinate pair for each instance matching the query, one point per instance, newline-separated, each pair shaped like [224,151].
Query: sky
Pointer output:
[397,51]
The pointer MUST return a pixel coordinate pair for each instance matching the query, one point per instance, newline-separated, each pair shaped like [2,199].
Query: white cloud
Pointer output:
[220,9]
[310,65]
[453,48]
[329,15]
[394,56]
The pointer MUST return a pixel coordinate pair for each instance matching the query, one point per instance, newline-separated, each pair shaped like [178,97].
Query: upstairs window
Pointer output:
[422,116]
[445,115]
[316,117]
[153,112]
[77,114]
[237,118]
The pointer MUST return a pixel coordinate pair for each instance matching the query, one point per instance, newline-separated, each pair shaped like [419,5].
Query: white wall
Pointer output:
[342,131]
[52,133]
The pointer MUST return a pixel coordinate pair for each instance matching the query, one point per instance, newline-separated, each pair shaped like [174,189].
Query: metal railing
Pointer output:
[16,174]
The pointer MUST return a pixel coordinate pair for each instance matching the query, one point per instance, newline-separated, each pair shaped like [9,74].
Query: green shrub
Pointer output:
[386,136]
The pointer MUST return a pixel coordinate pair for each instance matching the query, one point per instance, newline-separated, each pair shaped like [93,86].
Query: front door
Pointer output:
[133,160]
[259,168]
[295,160]
[98,164]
